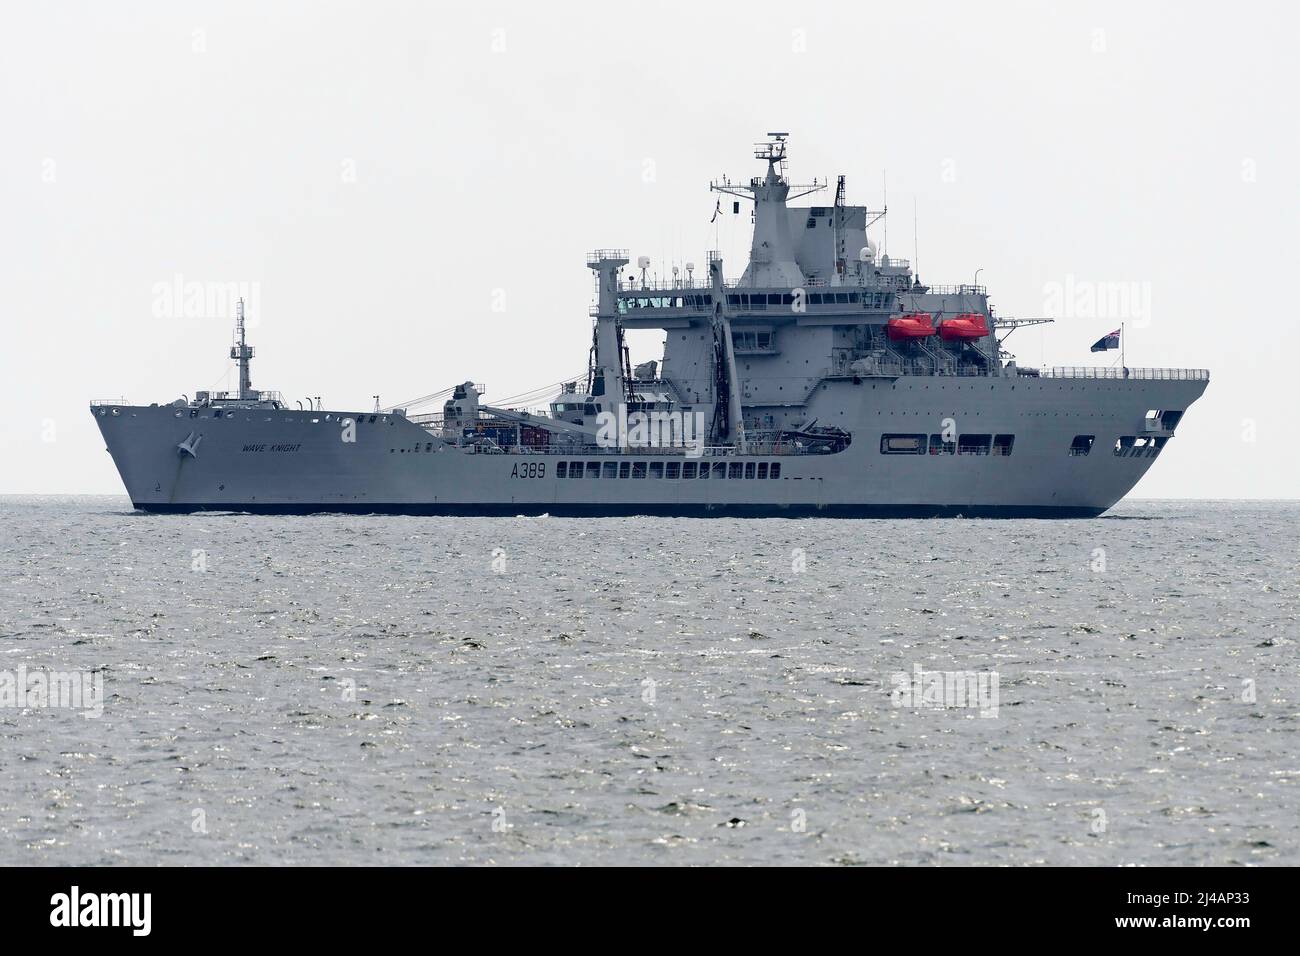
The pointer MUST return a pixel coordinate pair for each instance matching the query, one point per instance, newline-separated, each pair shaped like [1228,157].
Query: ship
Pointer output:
[825,381]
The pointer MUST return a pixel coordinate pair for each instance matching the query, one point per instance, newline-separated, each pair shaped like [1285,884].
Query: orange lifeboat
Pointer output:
[967,325]
[913,325]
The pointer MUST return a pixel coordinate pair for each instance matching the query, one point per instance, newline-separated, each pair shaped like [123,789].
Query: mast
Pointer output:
[608,381]
[840,254]
[242,353]
[771,257]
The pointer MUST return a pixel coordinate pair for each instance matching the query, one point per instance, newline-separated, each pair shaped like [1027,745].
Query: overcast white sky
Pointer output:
[386,173]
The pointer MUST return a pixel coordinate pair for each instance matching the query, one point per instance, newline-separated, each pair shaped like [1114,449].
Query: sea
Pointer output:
[227,689]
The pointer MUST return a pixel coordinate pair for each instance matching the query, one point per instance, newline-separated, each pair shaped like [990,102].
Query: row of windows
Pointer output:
[671,470]
[751,340]
[1130,446]
[1126,446]
[665,302]
[765,300]
[229,413]
[753,300]
[897,444]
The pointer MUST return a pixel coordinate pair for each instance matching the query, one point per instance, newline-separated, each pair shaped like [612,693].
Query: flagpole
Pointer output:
[1122,364]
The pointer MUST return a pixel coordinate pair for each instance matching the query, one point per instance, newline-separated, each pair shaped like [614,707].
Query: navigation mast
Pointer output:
[771,258]
[242,353]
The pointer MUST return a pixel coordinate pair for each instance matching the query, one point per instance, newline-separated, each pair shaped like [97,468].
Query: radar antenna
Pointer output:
[774,151]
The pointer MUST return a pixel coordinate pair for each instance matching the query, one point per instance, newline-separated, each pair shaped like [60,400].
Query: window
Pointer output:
[624,469]
[561,469]
[736,470]
[1081,445]
[1169,420]
[688,469]
[719,469]
[775,471]
[674,470]
[609,469]
[762,470]
[1002,444]
[656,469]
[593,469]
[974,444]
[749,469]
[940,447]
[638,469]
[575,469]
[902,444]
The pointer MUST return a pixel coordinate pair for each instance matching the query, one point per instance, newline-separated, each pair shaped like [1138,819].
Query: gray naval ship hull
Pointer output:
[278,461]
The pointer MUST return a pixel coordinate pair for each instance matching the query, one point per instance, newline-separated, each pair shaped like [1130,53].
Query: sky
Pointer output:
[406,192]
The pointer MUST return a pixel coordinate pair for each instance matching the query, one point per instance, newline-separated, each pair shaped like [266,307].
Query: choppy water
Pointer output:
[651,691]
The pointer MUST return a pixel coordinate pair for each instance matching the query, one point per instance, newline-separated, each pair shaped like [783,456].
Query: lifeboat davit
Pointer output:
[913,325]
[967,325]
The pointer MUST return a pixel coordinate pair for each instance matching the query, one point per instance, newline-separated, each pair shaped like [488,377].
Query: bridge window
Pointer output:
[719,469]
[593,469]
[1002,444]
[624,469]
[902,444]
[974,444]
[762,469]
[775,471]
[749,469]
[656,469]
[688,469]
[609,469]
[561,469]
[1081,445]
[674,470]
[638,469]
[736,470]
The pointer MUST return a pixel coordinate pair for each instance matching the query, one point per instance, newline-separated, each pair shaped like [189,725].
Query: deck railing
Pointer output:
[1146,374]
